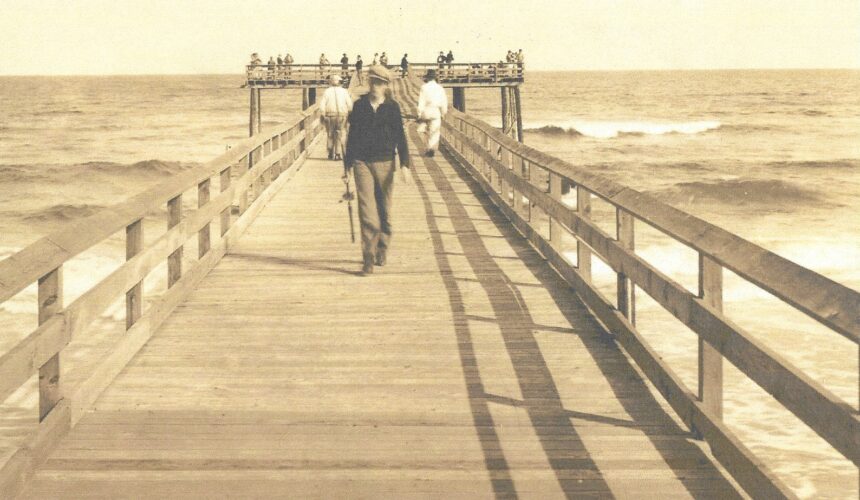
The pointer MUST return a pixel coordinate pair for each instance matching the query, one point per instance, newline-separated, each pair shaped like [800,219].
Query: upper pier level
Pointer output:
[301,76]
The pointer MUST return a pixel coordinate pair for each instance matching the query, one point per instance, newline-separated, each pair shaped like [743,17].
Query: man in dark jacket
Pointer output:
[375,133]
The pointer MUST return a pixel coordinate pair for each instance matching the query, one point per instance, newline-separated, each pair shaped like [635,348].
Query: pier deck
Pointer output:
[464,368]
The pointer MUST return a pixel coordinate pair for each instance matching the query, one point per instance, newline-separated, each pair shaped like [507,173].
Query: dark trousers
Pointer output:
[374,185]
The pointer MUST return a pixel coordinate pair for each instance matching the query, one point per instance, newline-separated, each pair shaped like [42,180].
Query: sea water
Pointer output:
[773,156]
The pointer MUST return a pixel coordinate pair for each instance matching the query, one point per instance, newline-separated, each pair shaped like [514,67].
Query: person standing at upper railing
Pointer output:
[449,58]
[404,65]
[520,60]
[383,59]
[344,66]
[432,107]
[335,107]
[271,68]
[254,70]
[375,59]
[288,62]
[324,65]
[359,64]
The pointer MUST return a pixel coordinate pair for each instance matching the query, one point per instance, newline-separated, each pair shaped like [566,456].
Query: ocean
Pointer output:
[773,156]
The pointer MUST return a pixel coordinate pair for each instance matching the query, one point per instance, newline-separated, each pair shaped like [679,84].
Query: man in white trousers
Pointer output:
[432,106]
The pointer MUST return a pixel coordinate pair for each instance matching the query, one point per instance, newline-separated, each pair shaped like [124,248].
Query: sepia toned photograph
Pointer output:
[485,249]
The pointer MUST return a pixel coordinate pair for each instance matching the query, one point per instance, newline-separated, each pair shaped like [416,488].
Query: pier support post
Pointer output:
[254,107]
[50,296]
[254,124]
[518,113]
[460,98]
[710,359]
[259,112]
[309,97]
[506,112]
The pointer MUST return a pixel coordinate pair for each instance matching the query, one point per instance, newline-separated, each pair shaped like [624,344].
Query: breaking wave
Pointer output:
[63,212]
[750,192]
[609,130]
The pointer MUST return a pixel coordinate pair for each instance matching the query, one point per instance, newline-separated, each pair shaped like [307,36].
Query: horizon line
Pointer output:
[543,70]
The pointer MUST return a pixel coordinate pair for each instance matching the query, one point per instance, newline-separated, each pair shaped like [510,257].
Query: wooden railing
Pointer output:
[249,174]
[470,73]
[508,171]
[264,75]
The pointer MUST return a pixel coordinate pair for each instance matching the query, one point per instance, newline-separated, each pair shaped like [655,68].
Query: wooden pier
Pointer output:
[480,362]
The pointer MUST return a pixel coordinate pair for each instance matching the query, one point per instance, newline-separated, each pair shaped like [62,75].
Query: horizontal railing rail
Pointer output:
[247,173]
[506,169]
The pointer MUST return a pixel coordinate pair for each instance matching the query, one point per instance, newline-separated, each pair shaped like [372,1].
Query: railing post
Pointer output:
[203,234]
[50,298]
[626,290]
[276,167]
[710,359]
[225,214]
[174,261]
[133,297]
[583,253]
[555,229]
[243,196]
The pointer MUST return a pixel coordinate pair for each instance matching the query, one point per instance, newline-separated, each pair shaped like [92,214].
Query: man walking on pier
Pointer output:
[375,133]
[335,106]
[432,106]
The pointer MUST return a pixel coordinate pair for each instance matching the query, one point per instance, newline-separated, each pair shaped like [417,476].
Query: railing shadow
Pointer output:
[311,265]
[550,419]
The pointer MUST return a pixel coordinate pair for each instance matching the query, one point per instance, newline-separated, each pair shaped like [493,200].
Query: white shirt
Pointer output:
[335,101]
[432,101]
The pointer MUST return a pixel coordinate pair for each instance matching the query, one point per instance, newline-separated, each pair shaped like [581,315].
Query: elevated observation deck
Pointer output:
[301,76]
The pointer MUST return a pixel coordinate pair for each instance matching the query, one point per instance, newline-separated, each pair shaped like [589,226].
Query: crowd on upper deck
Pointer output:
[281,67]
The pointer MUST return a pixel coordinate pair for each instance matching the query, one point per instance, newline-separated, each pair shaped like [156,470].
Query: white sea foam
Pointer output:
[610,129]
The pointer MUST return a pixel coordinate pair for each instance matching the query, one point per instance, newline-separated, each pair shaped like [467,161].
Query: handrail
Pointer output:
[249,174]
[827,301]
[497,162]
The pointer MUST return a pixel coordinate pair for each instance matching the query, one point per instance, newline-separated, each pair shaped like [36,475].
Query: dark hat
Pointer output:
[430,75]
[379,72]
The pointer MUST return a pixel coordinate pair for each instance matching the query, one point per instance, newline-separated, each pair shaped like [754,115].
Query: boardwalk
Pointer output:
[464,368]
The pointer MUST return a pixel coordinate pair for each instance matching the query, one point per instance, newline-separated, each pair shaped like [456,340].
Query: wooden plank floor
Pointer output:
[462,369]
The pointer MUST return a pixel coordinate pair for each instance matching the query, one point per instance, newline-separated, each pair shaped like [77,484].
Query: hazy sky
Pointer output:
[216,36]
